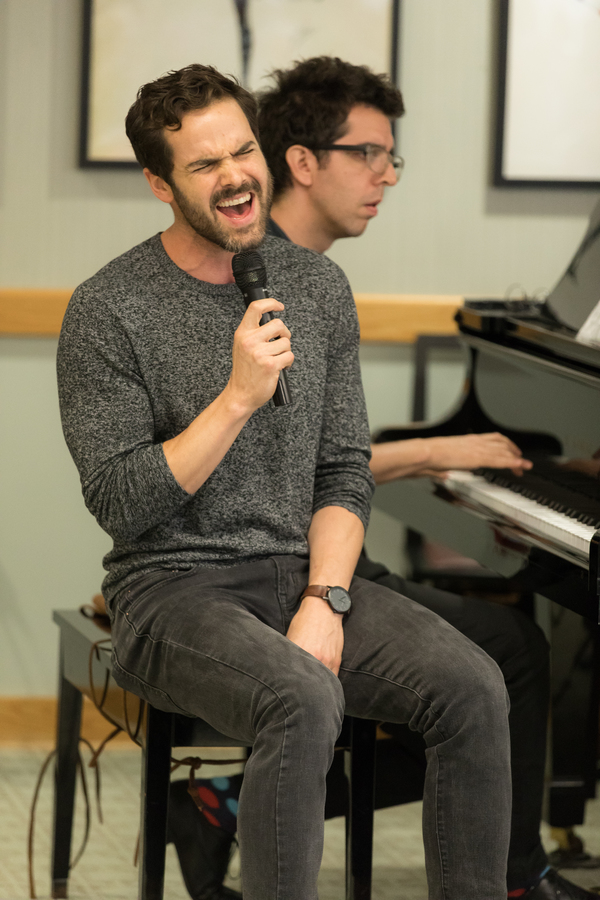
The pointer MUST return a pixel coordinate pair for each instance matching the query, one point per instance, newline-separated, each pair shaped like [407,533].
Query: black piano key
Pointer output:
[573,494]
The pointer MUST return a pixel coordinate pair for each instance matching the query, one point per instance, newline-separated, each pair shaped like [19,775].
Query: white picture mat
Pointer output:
[552,106]
[135,41]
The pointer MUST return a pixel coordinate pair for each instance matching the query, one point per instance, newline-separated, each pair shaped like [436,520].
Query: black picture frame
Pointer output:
[88,158]
[502,176]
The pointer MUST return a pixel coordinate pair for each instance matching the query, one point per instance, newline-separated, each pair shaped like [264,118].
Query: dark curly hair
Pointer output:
[310,103]
[162,104]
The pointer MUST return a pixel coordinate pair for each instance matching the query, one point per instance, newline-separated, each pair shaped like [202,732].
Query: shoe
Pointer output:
[570,853]
[554,887]
[573,859]
[203,849]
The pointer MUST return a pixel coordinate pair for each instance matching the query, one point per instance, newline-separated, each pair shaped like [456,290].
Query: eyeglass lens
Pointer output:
[379,159]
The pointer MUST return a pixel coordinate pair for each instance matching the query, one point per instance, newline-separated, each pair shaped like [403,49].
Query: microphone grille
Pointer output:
[249,269]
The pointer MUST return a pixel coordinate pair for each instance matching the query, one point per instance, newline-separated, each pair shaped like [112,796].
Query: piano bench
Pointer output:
[85,670]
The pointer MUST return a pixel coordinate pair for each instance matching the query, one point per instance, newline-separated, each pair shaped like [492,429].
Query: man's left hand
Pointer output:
[318,630]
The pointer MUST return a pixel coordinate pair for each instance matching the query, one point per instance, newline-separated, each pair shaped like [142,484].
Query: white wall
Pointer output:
[441,230]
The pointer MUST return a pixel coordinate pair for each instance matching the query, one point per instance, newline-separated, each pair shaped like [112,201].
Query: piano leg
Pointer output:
[575,685]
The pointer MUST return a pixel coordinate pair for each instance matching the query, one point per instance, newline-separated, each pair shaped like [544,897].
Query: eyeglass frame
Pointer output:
[396,161]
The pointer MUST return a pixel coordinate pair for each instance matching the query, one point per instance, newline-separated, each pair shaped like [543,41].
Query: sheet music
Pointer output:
[589,333]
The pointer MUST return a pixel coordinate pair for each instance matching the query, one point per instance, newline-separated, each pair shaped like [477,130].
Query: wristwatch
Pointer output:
[337,597]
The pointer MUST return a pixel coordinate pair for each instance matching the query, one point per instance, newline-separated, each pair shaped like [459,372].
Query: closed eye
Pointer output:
[206,164]
[245,152]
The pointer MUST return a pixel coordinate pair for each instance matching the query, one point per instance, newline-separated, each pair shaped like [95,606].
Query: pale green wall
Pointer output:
[441,230]
[50,546]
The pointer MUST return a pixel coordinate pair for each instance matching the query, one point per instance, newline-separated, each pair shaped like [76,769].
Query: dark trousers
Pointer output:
[211,643]
[515,642]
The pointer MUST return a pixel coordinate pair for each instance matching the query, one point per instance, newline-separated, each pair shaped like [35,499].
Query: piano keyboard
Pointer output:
[527,514]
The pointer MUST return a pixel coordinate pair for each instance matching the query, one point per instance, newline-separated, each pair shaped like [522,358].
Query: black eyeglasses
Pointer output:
[377,158]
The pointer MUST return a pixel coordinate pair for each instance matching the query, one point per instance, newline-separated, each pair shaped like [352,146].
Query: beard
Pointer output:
[207,225]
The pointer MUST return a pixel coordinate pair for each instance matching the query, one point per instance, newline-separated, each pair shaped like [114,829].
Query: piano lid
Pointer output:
[547,329]
[578,291]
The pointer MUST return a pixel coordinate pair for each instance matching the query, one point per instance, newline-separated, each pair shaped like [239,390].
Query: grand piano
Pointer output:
[530,378]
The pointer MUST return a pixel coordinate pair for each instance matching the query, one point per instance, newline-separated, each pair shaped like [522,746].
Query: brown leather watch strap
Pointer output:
[315,590]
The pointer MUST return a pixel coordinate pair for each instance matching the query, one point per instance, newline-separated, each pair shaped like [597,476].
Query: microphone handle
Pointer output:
[282,395]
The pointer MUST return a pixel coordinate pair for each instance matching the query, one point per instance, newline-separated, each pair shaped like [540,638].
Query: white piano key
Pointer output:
[521,511]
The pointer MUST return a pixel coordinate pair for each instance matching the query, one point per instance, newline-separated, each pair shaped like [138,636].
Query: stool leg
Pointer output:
[67,741]
[156,763]
[360,771]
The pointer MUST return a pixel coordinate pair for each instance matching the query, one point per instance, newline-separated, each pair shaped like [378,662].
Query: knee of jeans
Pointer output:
[473,687]
[319,700]
[488,689]
[310,699]
[315,703]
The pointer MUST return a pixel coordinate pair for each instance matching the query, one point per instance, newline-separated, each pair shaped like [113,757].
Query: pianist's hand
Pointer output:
[473,451]
[435,455]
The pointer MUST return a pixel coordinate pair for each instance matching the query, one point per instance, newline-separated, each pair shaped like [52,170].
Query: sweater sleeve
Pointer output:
[343,477]
[108,423]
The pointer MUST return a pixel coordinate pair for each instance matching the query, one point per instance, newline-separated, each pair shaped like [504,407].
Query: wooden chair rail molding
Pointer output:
[400,318]
[31,312]
[393,318]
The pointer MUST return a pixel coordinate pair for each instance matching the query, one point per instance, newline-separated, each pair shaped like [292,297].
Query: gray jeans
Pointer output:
[211,643]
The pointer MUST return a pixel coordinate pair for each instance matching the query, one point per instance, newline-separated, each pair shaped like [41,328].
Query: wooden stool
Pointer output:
[85,669]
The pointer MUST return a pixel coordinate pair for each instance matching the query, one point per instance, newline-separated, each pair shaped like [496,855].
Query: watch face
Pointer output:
[339,599]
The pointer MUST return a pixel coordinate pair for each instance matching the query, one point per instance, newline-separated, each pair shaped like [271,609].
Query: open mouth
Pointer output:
[237,208]
[372,207]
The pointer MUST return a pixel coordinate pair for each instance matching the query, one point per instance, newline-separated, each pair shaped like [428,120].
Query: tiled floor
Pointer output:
[106,872]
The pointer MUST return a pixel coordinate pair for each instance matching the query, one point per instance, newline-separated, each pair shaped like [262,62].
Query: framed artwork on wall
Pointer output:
[129,42]
[548,123]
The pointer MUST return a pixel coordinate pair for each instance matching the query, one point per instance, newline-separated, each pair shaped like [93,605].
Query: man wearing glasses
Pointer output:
[330,152]
[326,134]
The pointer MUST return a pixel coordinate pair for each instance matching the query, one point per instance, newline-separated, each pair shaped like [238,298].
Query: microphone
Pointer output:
[251,277]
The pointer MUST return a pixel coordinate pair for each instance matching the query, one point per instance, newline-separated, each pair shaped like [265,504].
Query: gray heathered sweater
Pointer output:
[145,347]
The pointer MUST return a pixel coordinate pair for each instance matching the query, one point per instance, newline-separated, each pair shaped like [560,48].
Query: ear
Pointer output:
[302,164]
[159,187]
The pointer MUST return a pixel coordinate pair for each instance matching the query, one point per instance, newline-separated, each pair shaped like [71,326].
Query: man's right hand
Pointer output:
[260,352]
